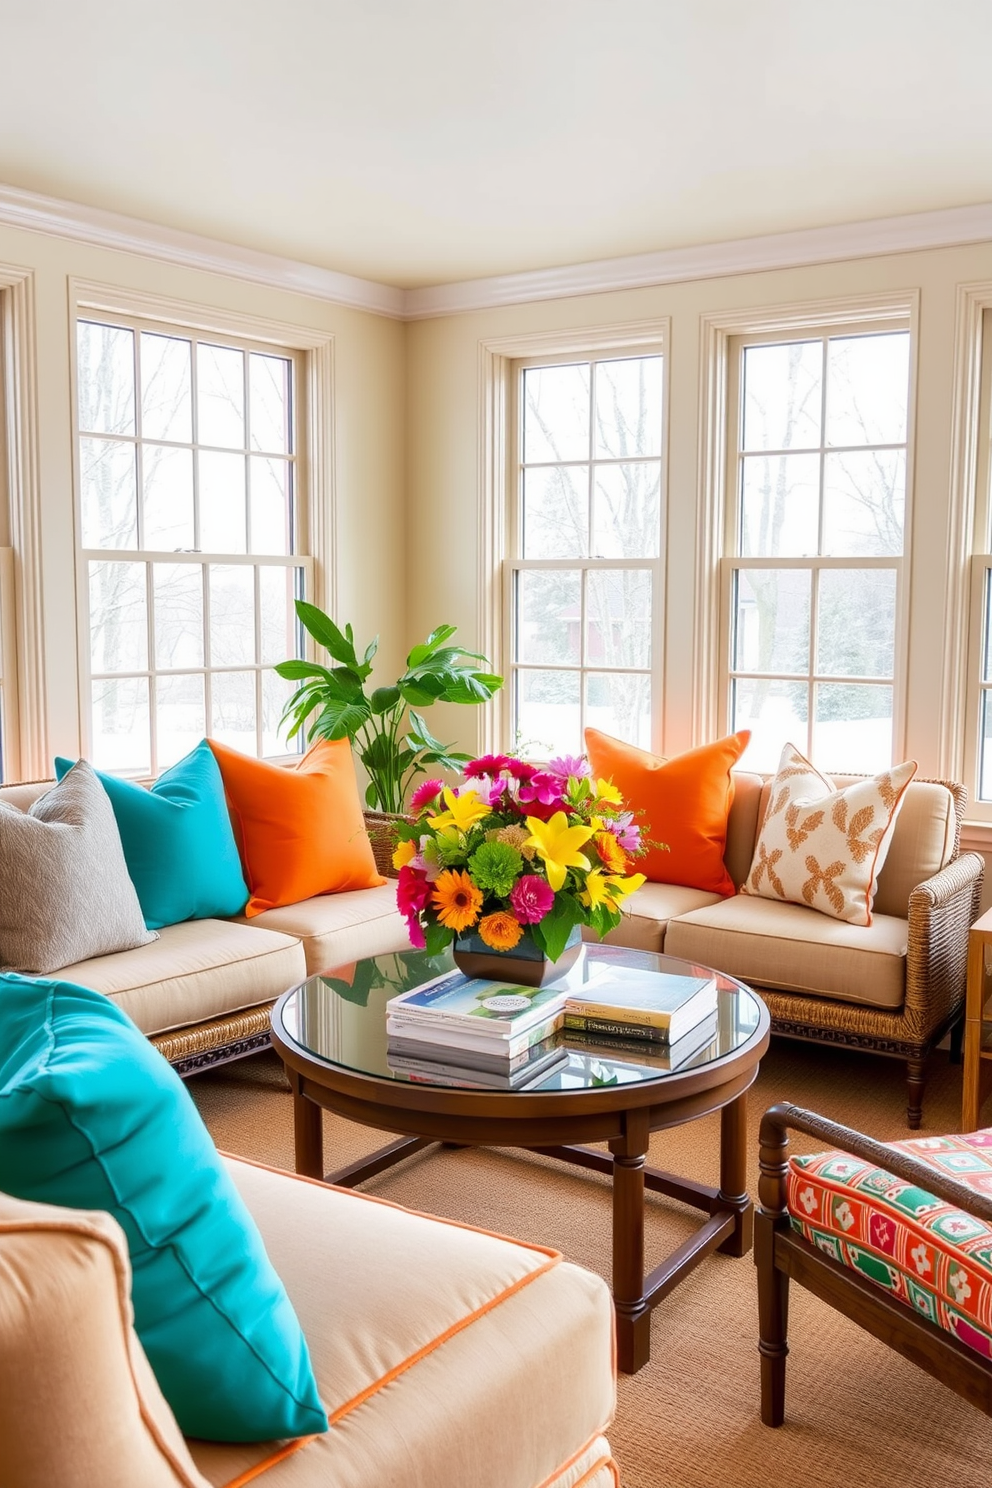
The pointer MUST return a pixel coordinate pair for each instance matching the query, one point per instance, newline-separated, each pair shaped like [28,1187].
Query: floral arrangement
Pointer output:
[518,849]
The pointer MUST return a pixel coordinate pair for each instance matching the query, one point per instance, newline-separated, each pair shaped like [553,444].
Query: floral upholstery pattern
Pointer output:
[933,1257]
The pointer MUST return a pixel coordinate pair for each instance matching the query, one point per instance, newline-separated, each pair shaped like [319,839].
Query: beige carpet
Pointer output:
[857,1414]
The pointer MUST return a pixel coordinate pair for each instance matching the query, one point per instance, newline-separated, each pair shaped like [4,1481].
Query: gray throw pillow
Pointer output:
[65,894]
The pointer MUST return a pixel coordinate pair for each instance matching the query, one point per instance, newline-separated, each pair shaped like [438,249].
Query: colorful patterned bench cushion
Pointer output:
[933,1257]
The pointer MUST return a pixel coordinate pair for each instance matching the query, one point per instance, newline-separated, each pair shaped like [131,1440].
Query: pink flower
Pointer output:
[569,764]
[487,764]
[531,897]
[413,891]
[428,791]
[543,787]
[520,769]
[626,831]
[415,931]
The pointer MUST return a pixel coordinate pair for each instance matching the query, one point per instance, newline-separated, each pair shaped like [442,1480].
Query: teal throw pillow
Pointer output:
[92,1117]
[178,842]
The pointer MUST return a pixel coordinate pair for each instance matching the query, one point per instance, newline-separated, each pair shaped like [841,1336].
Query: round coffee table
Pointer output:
[331,1034]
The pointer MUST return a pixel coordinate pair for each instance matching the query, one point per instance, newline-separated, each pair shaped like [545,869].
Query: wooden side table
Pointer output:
[977,1057]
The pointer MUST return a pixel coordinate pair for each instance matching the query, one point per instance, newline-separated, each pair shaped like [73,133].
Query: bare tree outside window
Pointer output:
[188,517]
[586,573]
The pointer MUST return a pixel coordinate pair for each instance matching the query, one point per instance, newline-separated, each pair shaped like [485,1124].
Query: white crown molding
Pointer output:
[45,214]
[953,227]
[945,229]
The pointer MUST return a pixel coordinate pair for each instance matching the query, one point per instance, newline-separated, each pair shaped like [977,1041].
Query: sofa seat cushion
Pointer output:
[194,971]
[923,1251]
[444,1355]
[338,928]
[794,949]
[647,911]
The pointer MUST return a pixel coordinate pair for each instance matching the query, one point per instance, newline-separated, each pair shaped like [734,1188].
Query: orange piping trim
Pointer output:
[600,1462]
[435,1343]
[261,1467]
[391,1204]
[546,1483]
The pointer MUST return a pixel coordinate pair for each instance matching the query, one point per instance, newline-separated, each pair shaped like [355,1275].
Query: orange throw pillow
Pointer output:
[299,828]
[684,802]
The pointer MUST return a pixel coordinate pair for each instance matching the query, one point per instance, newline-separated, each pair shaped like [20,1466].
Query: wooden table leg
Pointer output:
[733,1176]
[974,997]
[633,1314]
[308,1131]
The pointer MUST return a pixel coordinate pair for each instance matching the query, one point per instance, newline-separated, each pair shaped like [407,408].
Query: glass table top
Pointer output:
[340,1017]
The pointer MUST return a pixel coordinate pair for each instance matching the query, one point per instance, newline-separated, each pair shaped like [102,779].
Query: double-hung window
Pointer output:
[817,539]
[979,732]
[584,572]
[191,539]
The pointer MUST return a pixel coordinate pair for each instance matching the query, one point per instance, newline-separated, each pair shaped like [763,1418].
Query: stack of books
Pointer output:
[458,1030]
[661,1015]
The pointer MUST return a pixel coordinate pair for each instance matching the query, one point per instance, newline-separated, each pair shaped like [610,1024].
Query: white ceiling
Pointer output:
[435,141]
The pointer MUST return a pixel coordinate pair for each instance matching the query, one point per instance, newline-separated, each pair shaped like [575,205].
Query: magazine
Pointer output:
[430,1039]
[491,1007]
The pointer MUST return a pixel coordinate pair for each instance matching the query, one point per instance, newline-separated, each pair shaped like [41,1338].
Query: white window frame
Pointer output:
[25,742]
[975,473]
[501,364]
[723,337]
[312,356]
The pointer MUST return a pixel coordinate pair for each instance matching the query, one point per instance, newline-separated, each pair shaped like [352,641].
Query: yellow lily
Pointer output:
[404,852]
[596,890]
[622,885]
[607,791]
[558,844]
[463,811]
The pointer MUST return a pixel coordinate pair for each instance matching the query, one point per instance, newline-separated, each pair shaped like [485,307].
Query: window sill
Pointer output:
[976,837]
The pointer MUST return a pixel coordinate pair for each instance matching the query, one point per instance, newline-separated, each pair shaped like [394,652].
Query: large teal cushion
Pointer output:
[92,1117]
[178,843]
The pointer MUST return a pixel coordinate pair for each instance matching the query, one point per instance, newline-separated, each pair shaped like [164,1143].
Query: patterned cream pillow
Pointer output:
[822,846]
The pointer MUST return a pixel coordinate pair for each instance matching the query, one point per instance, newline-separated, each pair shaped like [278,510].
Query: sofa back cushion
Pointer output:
[177,839]
[923,840]
[65,894]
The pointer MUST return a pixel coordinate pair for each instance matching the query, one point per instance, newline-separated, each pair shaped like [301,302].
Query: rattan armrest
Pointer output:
[941,911]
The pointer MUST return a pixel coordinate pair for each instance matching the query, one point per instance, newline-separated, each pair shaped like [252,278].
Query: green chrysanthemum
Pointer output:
[495,868]
[448,851]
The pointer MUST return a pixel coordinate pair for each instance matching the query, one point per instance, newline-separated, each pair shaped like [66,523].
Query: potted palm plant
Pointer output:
[386,728]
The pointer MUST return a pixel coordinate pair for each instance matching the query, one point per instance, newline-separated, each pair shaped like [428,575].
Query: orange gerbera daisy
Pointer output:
[456,900]
[500,930]
[610,852]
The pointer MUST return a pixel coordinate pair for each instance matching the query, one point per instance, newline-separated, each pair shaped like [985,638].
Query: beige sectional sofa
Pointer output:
[203,991]
[444,1355]
[894,987]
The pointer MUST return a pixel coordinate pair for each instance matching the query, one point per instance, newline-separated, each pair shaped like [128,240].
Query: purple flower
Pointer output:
[425,793]
[543,787]
[567,765]
[491,791]
[626,831]
[531,897]
[487,764]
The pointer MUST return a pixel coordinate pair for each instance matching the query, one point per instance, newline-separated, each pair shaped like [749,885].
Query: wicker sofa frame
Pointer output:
[781,1255]
[940,913]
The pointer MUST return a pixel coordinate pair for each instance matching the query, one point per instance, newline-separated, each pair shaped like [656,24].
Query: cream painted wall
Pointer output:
[444,453]
[369,442]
